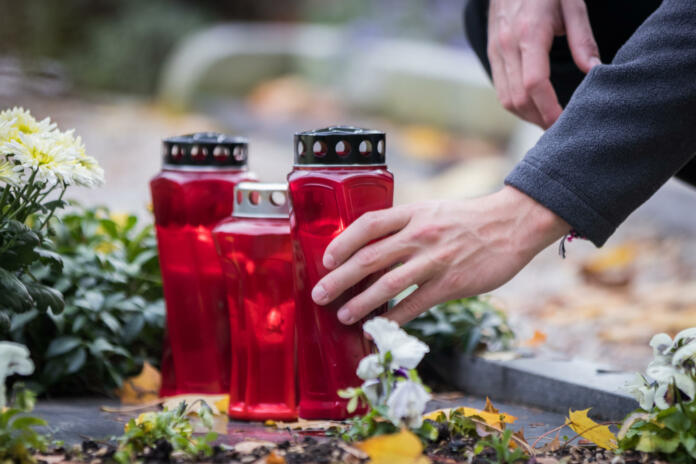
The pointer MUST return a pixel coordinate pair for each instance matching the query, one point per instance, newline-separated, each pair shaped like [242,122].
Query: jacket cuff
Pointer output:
[562,201]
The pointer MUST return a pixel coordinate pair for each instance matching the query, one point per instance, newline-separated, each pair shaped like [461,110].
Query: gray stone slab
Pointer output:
[550,384]
[75,419]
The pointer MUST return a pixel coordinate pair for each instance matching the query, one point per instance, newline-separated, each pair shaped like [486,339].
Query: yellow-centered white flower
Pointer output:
[24,123]
[52,161]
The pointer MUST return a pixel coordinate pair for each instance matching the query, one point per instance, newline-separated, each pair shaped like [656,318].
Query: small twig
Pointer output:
[135,408]
[546,434]
[567,442]
[531,451]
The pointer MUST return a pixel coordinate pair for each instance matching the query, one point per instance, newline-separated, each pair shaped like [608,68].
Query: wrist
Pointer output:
[537,226]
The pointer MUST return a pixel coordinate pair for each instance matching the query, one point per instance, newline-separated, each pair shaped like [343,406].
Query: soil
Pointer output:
[309,450]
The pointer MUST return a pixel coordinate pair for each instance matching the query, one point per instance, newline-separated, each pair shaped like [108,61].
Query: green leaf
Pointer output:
[26,422]
[75,360]
[109,226]
[651,443]
[50,257]
[62,345]
[13,292]
[110,321]
[45,297]
[19,320]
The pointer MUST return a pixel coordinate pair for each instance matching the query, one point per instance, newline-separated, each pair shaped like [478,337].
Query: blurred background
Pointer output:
[126,73]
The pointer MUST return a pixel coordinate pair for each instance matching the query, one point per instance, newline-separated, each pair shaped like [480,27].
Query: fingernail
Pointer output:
[329,261]
[345,316]
[319,294]
[594,61]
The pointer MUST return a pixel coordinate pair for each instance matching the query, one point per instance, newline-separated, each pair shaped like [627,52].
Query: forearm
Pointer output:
[629,127]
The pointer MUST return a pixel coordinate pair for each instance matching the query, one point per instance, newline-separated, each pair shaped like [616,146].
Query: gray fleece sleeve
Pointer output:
[629,127]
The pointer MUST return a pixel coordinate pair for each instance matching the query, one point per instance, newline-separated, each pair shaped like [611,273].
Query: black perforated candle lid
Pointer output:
[340,146]
[205,150]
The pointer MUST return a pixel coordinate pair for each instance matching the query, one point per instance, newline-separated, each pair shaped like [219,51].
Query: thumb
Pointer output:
[579,32]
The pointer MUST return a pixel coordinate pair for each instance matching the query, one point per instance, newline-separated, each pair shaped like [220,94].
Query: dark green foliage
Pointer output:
[501,445]
[24,212]
[17,435]
[670,433]
[173,426]
[463,326]
[114,313]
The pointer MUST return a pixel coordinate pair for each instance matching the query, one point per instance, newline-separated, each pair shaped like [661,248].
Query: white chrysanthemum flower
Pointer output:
[87,172]
[52,161]
[14,359]
[9,173]
[406,351]
[370,367]
[406,404]
[24,123]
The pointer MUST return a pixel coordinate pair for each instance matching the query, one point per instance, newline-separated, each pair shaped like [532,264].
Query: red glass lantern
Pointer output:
[339,174]
[193,192]
[256,254]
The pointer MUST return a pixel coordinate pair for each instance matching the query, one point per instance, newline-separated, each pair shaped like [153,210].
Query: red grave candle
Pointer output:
[256,254]
[193,192]
[339,174]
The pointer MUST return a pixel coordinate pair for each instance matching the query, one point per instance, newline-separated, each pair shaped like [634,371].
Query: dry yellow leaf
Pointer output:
[398,448]
[223,404]
[489,414]
[426,142]
[600,435]
[142,388]
[538,339]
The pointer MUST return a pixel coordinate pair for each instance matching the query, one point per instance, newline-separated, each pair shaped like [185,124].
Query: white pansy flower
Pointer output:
[371,390]
[661,344]
[406,351]
[685,356]
[660,372]
[660,396]
[14,359]
[685,337]
[642,392]
[370,367]
[406,404]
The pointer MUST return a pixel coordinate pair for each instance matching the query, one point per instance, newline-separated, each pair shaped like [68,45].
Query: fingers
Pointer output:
[522,103]
[426,296]
[384,289]
[580,38]
[370,226]
[372,258]
[536,78]
[512,42]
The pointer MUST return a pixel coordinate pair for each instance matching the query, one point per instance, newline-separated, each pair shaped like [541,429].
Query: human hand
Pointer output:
[450,249]
[520,35]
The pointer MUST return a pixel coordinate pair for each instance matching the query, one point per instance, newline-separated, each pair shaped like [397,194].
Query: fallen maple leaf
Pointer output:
[538,339]
[397,448]
[598,434]
[489,414]
[142,388]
